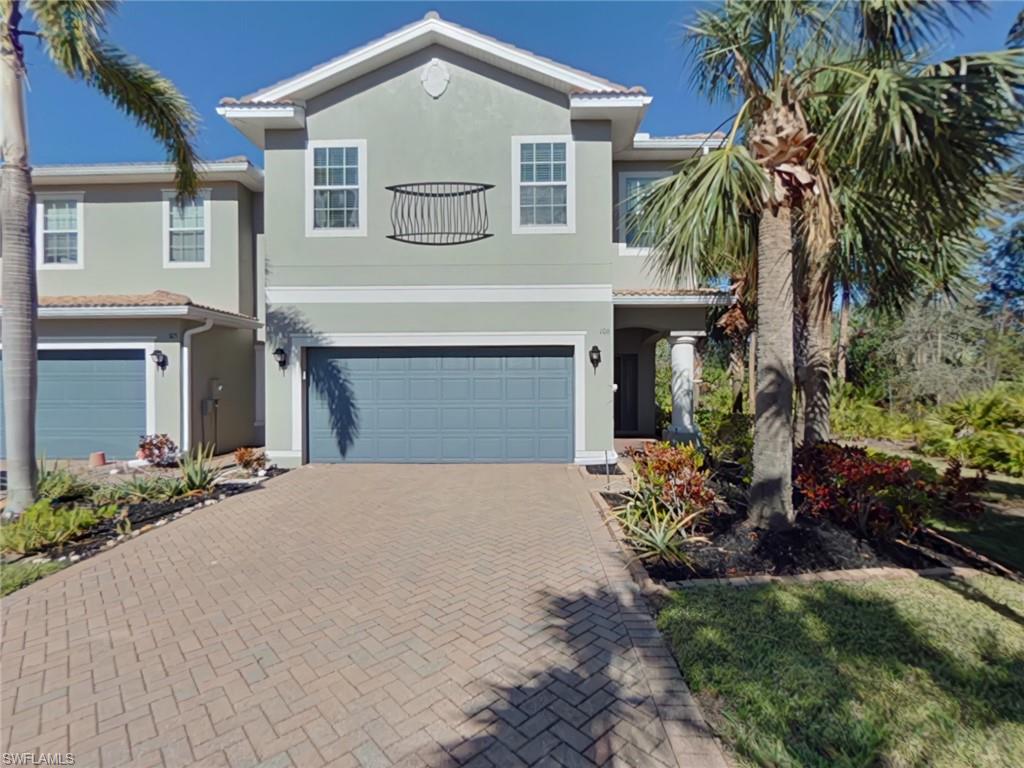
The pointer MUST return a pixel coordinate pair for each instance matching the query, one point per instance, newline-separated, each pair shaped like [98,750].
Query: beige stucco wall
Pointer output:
[225,356]
[322,320]
[122,231]
[465,135]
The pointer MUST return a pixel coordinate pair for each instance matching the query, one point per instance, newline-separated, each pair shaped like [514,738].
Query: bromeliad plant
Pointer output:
[669,503]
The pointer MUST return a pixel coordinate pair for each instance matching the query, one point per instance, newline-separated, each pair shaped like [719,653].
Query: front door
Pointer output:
[626,368]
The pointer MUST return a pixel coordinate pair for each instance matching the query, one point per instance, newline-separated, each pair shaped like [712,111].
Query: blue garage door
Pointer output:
[507,404]
[88,400]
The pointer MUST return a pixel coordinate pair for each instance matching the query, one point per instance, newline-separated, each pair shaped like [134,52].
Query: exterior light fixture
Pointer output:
[159,359]
[281,356]
[595,356]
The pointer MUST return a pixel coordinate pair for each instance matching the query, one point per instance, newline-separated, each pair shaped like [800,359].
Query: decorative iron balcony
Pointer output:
[439,212]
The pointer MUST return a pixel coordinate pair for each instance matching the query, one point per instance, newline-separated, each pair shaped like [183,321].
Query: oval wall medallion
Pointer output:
[435,77]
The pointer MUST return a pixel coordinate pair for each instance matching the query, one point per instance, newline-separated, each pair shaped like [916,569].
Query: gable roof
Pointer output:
[431,30]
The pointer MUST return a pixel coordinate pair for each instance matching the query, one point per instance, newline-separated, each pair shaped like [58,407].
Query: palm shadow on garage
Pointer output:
[330,381]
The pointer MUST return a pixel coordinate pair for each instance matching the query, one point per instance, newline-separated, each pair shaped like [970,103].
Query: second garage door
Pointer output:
[88,400]
[440,404]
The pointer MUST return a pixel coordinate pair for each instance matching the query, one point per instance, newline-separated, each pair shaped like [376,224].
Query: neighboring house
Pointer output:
[436,249]
[147,316]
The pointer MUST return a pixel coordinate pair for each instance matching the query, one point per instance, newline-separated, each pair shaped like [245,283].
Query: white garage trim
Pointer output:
[574,339]
[150,368]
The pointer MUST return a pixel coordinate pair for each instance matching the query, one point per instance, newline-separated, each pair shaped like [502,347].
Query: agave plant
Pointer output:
[197,471]
[657,535]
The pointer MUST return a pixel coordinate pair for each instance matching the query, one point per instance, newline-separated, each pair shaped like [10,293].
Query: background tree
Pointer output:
[840,135]
[72,34]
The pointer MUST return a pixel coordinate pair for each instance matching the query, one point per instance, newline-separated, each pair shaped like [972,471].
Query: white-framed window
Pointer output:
[60,234]
[632,185]
[186,230]
[336,188]
[543,185]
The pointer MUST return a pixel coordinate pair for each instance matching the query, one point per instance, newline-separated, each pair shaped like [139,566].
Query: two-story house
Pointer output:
[147,310]
[436,249]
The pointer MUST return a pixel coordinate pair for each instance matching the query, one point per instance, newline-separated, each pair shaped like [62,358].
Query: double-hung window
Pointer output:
[632,187]
[186,230]
[543,170]
[59,243]
[336,188]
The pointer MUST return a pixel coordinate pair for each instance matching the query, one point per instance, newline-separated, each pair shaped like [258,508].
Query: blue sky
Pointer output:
[216,49]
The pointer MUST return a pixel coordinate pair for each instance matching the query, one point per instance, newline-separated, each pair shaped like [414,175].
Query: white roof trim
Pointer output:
[178,312]
[690,300]
[627,100]
[646,141]
[240,171]
[431,30]
[254,119]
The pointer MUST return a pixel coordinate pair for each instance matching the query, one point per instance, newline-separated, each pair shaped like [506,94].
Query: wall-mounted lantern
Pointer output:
[281,357]
[159,359]
[595,357]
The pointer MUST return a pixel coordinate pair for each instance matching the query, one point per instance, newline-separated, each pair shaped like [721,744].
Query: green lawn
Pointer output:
[21,574]
[896,673]
[998,534]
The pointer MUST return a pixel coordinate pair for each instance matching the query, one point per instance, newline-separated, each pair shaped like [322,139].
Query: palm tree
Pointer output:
[72,33]
[842,137]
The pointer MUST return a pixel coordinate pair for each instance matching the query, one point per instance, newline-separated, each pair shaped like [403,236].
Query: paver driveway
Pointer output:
[355,615]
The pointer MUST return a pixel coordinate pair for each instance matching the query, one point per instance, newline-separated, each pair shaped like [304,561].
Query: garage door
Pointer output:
[440,405]
[88,400]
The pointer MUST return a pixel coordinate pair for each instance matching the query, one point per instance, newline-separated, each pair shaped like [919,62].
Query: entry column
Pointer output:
[683,345]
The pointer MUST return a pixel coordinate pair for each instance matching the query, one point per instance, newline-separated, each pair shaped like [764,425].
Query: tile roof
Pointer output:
[127,300]
[610,87]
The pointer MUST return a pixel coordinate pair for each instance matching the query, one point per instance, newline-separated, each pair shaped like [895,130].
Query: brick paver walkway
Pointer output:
[354,616]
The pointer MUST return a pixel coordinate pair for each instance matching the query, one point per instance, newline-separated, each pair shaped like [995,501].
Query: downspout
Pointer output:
[186,382]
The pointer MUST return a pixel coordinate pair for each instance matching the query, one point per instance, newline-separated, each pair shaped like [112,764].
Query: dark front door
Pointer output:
[626,368]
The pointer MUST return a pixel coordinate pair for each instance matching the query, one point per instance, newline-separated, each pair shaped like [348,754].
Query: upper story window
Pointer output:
[544,187]
[336,188]
[59,236]
[632,186]
[186,230]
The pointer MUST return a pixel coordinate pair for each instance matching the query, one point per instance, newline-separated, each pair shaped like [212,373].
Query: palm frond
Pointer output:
[702,220]
[72,32]
[1015,38]
[894,29]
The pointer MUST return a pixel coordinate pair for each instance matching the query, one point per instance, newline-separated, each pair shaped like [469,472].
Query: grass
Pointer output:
[996,534]
[897,673]
[17,575]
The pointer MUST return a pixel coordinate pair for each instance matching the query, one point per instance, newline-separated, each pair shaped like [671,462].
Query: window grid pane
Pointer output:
[544,187]
[336,188]
[60,231]
[187,232]
[635,189]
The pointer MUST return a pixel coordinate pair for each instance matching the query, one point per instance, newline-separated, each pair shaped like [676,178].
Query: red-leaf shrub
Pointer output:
[959,494]
[881,498]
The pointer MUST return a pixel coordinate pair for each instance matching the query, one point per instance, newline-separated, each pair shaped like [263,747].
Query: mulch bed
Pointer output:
[143,516]
[736,549]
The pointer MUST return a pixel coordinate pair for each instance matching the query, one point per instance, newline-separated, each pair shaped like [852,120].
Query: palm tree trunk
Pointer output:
[817,345]
[844,336]
[736,365]
[752,371]
[771,491]
[19,279]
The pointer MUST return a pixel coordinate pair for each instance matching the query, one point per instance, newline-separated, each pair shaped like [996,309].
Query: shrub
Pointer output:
[139,488]
[880,498]
[669,502]
[156,449]
[43,525]
[250,459]
[959,495]
[729,438]
[58,483]
[855,416]
[197,471]
[14,576]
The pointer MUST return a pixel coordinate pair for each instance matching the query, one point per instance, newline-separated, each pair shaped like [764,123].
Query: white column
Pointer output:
[682,347]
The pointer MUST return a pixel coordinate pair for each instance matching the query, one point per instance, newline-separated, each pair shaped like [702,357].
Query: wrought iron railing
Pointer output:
[439,212]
